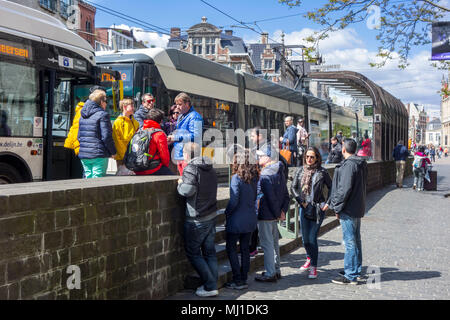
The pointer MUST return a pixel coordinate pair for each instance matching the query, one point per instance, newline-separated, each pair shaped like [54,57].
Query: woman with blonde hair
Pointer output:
[95,136]
[124,128]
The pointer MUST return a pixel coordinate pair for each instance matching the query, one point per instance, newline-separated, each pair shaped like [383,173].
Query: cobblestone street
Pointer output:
[405,242]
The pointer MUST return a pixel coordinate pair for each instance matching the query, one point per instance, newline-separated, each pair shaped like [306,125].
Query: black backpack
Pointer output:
[136,157]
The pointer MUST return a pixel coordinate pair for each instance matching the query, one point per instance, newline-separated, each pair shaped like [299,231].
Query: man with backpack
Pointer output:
[148,152]
[199,186]
[420,168]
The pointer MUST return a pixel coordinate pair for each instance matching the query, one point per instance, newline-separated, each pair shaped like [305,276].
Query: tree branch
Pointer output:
[436,5]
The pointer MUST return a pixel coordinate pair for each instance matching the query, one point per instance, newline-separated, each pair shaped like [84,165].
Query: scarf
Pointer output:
[308,172]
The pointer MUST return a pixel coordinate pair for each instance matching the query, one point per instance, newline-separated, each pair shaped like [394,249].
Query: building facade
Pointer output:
[208,41]
[434,130]
[271,62]
[417,123]
[445,118]
[266,60]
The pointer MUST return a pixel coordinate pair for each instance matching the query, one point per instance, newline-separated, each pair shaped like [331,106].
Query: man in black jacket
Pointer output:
[336,151]
[199,186]
[348,200]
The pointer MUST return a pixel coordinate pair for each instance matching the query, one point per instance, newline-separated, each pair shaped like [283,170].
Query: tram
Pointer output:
[227,99]
[45,70]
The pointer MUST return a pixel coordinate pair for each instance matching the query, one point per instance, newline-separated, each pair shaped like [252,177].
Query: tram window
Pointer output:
[18,104]
[216,114]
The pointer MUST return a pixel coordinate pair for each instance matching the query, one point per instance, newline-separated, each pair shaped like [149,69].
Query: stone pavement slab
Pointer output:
[406,252]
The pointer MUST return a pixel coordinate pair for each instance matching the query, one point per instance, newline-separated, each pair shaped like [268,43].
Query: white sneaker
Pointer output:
[201,292]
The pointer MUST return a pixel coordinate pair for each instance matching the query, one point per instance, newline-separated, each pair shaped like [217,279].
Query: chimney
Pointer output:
[175,32]
[229,32]
[264,38]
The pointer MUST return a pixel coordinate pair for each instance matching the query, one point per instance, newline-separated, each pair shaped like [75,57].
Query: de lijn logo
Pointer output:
[74,280]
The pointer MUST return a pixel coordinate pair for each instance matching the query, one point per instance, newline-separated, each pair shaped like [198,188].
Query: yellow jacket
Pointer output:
[123,130]
[72,138]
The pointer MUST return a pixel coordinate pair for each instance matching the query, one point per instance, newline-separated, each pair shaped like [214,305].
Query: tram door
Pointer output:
[59,110]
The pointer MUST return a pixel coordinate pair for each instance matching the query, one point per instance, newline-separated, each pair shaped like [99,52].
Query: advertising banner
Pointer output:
[441,41]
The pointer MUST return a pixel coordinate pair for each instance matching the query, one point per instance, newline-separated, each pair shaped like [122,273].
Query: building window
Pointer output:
[64,6]
[236,66]
[268,64]
[88,26]
[197,45]
[48,4]
[210,45]
[431,137]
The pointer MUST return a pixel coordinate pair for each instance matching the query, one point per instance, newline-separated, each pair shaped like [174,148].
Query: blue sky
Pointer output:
[352,48]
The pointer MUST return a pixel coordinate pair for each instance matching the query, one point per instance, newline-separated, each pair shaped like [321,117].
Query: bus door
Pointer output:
[59,110]
[63,93]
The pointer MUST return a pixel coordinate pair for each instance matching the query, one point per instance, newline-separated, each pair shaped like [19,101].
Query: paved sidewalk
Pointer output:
[405,236]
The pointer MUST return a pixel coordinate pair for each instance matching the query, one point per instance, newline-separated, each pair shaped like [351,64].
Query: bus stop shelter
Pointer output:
[390,117]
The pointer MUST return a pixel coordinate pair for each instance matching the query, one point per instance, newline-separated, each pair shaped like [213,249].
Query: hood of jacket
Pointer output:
[203,163]
[151,124]
[271,169]
[355,160]
[79,106]
[89,108]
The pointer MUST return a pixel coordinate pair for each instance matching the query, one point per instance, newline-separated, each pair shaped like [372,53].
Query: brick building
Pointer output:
[87,22]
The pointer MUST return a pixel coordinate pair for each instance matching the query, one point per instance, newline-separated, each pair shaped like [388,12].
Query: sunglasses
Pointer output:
[151,100]
[175,112]
[310,157]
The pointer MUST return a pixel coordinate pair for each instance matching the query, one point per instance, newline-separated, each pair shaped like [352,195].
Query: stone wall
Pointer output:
[124,233]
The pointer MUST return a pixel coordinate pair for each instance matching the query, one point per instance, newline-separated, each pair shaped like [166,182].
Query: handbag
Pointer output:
[285,153]
[310,212]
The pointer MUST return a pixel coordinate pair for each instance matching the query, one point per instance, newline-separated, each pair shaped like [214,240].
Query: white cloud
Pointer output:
[418,83]
[149,38]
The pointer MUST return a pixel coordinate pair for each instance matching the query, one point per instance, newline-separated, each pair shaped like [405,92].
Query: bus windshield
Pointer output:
[125,86]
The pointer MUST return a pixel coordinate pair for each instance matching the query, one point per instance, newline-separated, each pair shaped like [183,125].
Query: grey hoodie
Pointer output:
[199,186]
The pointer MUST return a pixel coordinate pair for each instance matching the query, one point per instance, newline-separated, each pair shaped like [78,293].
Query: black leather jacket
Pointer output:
[320,178]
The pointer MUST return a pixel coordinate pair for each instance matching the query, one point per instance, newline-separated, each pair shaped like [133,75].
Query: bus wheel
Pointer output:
[9,174]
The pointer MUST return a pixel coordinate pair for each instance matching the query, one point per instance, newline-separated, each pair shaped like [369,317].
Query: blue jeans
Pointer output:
[351,230]
[268,239]
[310,230]
[200,249]
[419,176]
[240,271]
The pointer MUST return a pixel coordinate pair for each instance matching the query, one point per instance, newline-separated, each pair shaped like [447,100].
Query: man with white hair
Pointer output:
[289,139]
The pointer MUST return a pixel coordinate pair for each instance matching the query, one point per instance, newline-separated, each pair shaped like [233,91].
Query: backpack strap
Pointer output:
[150,133]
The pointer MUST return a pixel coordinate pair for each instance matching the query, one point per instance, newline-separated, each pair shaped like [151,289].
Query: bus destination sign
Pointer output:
[16,50]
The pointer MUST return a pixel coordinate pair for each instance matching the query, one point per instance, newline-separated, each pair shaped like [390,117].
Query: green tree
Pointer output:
[403,24]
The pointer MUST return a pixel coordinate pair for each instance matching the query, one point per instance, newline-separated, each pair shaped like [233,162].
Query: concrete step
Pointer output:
[192,280]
